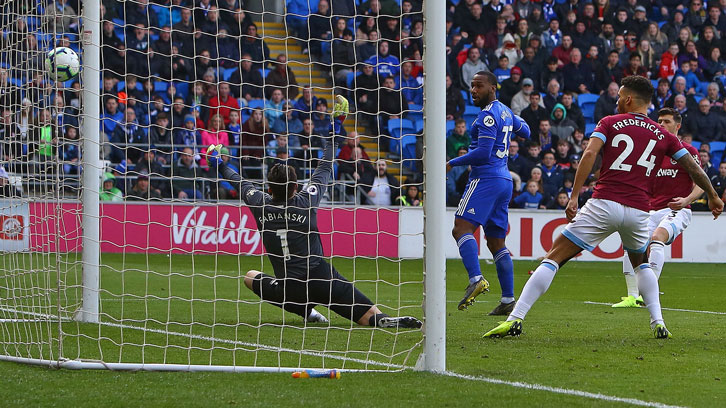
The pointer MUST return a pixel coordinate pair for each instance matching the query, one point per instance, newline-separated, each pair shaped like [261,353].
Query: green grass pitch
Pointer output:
[567,343]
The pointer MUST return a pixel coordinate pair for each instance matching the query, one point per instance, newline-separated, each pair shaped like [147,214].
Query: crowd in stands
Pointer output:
[178,75]
[559,64]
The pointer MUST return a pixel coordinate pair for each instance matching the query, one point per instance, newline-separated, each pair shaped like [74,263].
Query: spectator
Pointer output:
[150,164]
[308,139]
[610,72]
[532,157]
[274,107]
[531,198]
[715,19]
[411,196]
[719,180]
[321,119]
[573,111]
[457,138]
[552,175]
[305,104]
[137,51]
[562,127]
[279,143]
[109,191]
[320,29]
[223,103]
[186,180]
[692,80]
[226,189]
[253,45]
[254,131]
[713,96]
[704,124]
[70,151]
[552,72]
[455,104]
[522,99]
[706,163]
[562,154]
[668,62]
[648,58]
[249,78]
[161,137]
[515,162]
[281,77]
[366,87]
[502,70]
[472,65]
[187,136]
[510,86]
[510,50]
[635,67]
[474,23]
[552,96]
[351,142]
[696,16]
[576,142]
[111,116]
[531,68]
[127,139]
[679,89]
[383,189]
[536,21]
[288,124]
[535,112]
[384,63]
[60,17]
[578,76]
[553,36]
[183,33]
[215,134]
[358,169]
[562,51]
[560,202]
[393,103]
[366,47]
[456,179]
[343,57]
[141,190]
[522,34]
[661,96]
[409,86]
[715,66]
[607,102]
[623,52]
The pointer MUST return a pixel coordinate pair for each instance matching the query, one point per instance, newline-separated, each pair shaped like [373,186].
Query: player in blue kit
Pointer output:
[486,199]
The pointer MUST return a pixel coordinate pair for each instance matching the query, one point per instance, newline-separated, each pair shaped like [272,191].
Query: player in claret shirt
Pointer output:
[633,148]
[670,209]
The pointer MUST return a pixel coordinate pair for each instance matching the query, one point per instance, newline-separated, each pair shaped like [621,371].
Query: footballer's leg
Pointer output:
[633,299]
[272,290]
[496,231]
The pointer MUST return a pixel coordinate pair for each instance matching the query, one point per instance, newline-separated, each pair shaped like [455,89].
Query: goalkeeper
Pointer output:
[287,219]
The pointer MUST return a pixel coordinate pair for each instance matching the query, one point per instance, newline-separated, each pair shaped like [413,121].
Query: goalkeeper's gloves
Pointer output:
[340,108]
[214,155]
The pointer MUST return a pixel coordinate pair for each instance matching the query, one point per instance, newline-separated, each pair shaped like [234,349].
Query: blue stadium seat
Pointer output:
[589,128]
[717,149]
[414,113]
[256,103]
[467,97]
[696,144]
[587,105]
[397,128]
[698,98]
[450,125]
[182,88]
[419,125]
[227,73]
[264,72]
[349,78]
[470,114]
[161,86]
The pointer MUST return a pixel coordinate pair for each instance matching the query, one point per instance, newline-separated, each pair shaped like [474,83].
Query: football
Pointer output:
[62,64]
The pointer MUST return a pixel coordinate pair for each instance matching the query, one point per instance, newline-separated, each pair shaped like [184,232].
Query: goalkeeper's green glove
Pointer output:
[340,108]
[214,155]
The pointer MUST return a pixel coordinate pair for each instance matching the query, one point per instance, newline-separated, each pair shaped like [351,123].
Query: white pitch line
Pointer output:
[558,390]
[664,308]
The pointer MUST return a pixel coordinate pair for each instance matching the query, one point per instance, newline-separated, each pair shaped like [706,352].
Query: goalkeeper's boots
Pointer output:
[503,309]
[628,301]
[660,332]
[472,291]
[403,322]
[316,318]
[214,155]
[509,328]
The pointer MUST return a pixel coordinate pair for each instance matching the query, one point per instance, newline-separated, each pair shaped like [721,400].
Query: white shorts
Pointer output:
[672,221]
[598,219]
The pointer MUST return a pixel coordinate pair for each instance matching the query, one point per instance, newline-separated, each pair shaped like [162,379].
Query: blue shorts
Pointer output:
[486,203]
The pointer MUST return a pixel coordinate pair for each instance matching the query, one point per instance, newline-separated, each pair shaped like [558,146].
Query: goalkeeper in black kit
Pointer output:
[287,219]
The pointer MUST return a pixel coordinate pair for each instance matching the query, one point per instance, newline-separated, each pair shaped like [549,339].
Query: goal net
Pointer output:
[153,277]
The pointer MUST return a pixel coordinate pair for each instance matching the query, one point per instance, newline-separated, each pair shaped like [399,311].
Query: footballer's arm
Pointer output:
[680,203]
[701,179]
[583,172]
[247,190]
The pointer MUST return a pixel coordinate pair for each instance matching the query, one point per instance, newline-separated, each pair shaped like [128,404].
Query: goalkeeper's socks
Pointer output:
[630,280]
[535,287]
[505,273]
[657,257]
[469,251]
[373,320]
[648,287]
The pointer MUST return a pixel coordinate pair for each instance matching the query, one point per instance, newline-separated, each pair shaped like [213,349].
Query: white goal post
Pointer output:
[91,278]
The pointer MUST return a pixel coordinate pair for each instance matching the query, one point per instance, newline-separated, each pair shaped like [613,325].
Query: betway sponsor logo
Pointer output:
[193,229]
[667,173]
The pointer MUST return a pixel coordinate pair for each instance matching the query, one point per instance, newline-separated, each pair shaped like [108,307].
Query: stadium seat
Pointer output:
[419,125]
[467,97]
[182,88]
[717,149]
[587,105]
[414,113]
[264,72]
[349,79]
[256,103]
[696,144]
[589,128]
[397,128]
[470,114]
[227,73]
[698,98]
[450,125]
[161,86]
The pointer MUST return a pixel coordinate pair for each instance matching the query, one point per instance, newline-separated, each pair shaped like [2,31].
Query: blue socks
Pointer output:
[505,273]
[469,251]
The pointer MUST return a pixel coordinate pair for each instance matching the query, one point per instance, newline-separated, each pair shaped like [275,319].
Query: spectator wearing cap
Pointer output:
[521,100]
[562,127]
[151,164]
[385,64]
[141,190]
[472,65]
[607,102]
[552,37]
[578,75]
[109,192]
[640,21]
[511,86]
[188,135]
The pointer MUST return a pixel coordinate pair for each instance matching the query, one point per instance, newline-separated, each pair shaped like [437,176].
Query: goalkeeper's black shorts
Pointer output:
[325,286]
